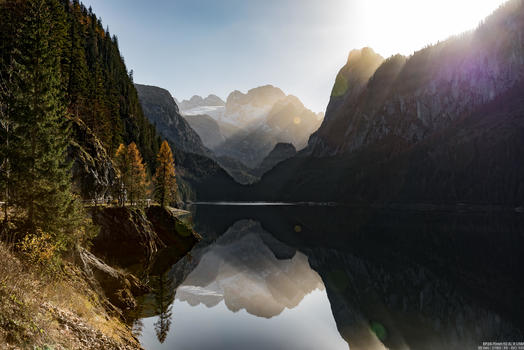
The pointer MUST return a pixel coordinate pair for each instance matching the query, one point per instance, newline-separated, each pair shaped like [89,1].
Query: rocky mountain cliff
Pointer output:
[244,110]
[162,111]
[443,125]
[412,98]
[267,117]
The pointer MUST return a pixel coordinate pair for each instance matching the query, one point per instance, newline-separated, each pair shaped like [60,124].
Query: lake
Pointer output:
[328,277]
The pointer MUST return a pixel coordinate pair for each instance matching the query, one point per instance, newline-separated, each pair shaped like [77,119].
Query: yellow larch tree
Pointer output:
[165,191]
[137,180]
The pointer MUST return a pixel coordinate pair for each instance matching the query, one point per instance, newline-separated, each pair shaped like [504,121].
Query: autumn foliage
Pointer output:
[133,178]
[165,191]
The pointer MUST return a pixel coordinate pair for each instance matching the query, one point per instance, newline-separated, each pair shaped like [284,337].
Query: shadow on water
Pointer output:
[394,279]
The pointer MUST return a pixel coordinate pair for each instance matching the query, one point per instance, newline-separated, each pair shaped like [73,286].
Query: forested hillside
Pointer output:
[94,82]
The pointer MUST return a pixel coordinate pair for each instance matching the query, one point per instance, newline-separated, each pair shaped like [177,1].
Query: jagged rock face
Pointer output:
[281,152]
[286,120]
[414,98]
[198,101]
[162,111]
[246,109]
[352,78]
[93,172]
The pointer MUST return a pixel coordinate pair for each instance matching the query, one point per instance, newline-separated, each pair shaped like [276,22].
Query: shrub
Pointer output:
[42,250]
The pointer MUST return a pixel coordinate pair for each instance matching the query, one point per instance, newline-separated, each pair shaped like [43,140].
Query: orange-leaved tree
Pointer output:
[137,180]
[132,179]
[165,191]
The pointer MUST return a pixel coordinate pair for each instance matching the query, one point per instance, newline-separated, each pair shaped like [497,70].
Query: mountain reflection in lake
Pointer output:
[239,295]
[325,277]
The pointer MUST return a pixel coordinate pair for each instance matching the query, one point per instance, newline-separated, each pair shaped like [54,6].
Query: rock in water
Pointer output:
[126,237]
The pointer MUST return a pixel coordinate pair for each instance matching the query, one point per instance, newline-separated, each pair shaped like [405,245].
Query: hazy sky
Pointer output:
[216,46]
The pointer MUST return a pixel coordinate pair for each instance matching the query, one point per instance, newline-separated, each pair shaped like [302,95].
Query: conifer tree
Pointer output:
[165,190]
[40,133]
[137,181]
[5,134]
[122,164]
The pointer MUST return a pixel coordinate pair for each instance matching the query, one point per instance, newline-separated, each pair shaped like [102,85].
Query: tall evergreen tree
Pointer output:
[165,191]
[5,142]
[123,167]
[78,73]
[40,134]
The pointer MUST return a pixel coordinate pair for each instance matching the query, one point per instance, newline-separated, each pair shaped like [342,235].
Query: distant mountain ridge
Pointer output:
[262,117]
[198,101]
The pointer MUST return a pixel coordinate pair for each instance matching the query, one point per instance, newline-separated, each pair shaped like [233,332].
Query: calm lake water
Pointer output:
[323,277]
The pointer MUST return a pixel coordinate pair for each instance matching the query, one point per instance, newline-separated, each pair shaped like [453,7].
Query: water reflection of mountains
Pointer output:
[434,279]
[395,279]
[241,269]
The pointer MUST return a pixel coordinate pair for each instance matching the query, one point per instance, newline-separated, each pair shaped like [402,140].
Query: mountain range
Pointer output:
[251,124]
[444,125]
[197,169]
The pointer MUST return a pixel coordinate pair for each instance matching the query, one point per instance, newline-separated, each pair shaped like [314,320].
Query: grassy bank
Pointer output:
[40,310]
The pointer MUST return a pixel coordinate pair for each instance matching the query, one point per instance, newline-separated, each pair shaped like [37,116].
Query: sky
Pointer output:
[202,47]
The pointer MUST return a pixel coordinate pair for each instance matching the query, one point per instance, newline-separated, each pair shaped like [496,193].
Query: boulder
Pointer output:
[171,230]
[126,238]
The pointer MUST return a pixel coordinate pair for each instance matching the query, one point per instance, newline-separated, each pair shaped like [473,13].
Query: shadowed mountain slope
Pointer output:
[444,125]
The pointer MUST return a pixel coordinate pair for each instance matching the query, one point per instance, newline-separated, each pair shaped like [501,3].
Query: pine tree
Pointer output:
[78,72]
[5,135]
[165,191]
[40,133]
[137,187]
[122,165]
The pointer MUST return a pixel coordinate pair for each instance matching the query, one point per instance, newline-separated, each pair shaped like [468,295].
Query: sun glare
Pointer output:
[404,26]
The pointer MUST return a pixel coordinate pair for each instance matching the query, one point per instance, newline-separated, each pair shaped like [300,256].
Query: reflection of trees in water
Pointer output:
[164,295]
[138,328]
